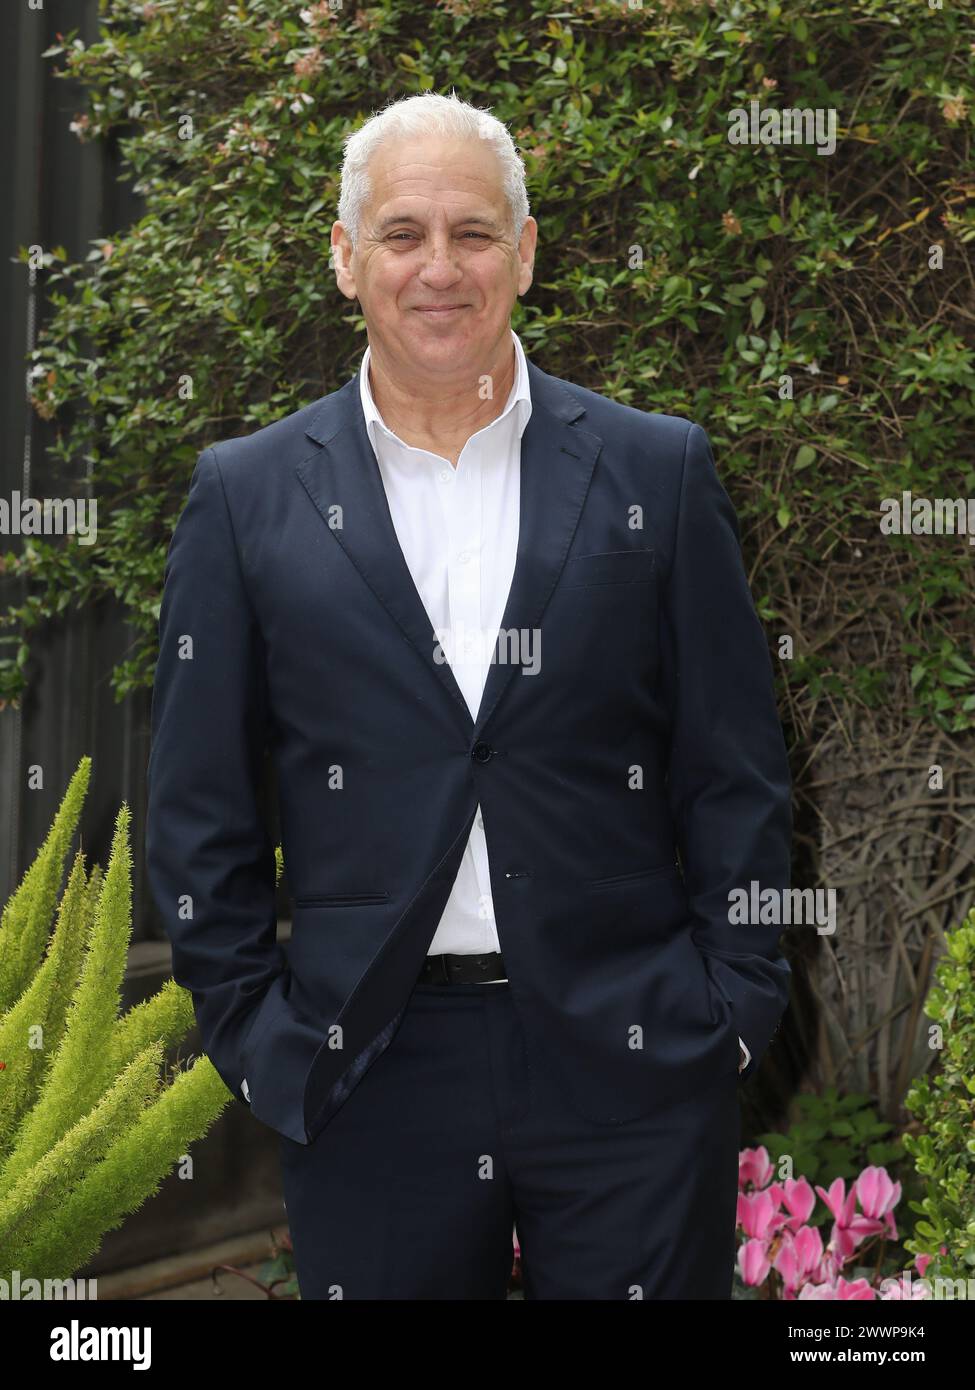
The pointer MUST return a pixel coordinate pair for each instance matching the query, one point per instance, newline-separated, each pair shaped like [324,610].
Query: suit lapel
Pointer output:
[344,482]
[557,460]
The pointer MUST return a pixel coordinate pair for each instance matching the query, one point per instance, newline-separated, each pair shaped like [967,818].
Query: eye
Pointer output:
[481,236]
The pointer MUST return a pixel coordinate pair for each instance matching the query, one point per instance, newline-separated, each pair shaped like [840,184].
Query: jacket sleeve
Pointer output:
[728,775]
[209,858]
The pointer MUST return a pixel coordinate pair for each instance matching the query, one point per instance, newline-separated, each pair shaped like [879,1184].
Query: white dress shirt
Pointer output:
[458,531]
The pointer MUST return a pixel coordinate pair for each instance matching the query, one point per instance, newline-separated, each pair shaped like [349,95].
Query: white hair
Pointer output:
[427,114]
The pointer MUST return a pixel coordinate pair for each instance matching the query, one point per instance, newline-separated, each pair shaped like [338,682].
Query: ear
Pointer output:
[526,254]
[342,260]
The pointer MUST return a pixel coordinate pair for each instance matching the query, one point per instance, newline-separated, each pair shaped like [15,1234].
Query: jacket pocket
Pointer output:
[609,567]
[632,876]
[340,899]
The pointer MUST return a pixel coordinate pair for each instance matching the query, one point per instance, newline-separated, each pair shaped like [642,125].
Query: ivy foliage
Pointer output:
[812,311]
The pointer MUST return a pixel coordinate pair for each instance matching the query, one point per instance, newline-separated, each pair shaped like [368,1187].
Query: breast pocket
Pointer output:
[341,899]
[634,876]
[609,567]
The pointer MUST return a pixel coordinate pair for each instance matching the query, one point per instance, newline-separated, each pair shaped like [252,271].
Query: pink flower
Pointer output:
[798,1256]
[876,1193]
[820,1292]
[799,1199]
[841,1205]
[753,1263]
[878,1196]
[828,1269]
[842,1291]
[921,1263]
[756,1214]
[850,1226]
[774,1216]
[848,1291]
[843,1242]
[754,1167]
[863,1226]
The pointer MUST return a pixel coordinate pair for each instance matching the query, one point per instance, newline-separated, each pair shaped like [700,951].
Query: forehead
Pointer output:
[409,172]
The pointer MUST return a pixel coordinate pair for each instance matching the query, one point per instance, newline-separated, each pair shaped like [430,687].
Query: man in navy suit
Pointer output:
[495,634]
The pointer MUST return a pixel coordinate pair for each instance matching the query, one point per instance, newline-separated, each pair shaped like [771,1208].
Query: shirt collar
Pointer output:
[519,397]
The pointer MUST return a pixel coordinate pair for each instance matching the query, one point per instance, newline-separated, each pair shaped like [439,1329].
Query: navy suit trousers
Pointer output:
[457,1132]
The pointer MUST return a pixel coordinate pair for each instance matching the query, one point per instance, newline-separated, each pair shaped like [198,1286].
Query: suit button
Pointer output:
[482,752]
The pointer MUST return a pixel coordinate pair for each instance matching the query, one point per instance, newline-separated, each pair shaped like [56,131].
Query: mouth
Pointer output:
[440,311]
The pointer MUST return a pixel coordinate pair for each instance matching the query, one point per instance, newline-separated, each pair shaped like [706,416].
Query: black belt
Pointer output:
[462,970]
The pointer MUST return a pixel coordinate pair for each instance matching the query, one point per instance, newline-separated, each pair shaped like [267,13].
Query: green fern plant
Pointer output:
[91,1119]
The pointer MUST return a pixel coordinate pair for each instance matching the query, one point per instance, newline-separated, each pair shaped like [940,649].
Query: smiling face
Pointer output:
[437,269]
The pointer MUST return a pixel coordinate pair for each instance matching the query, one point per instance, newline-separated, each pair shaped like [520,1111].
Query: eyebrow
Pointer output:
[474,221]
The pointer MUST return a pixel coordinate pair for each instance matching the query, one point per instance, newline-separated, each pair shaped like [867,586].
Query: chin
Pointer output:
[436,347]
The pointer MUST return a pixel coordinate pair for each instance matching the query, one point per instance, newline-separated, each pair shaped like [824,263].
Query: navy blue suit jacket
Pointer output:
[627,787]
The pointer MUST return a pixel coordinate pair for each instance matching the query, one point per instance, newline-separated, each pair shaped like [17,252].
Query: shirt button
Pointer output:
[463,557]
[445,475]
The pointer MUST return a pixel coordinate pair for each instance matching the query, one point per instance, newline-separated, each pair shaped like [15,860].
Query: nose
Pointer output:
[440,266]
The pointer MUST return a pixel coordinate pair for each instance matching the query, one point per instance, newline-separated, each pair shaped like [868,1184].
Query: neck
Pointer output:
[442,417]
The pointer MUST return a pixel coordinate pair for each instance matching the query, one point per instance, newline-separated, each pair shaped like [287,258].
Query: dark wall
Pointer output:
[58,191]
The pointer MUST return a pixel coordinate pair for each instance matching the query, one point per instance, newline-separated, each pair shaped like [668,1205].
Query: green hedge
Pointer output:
[676,272]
